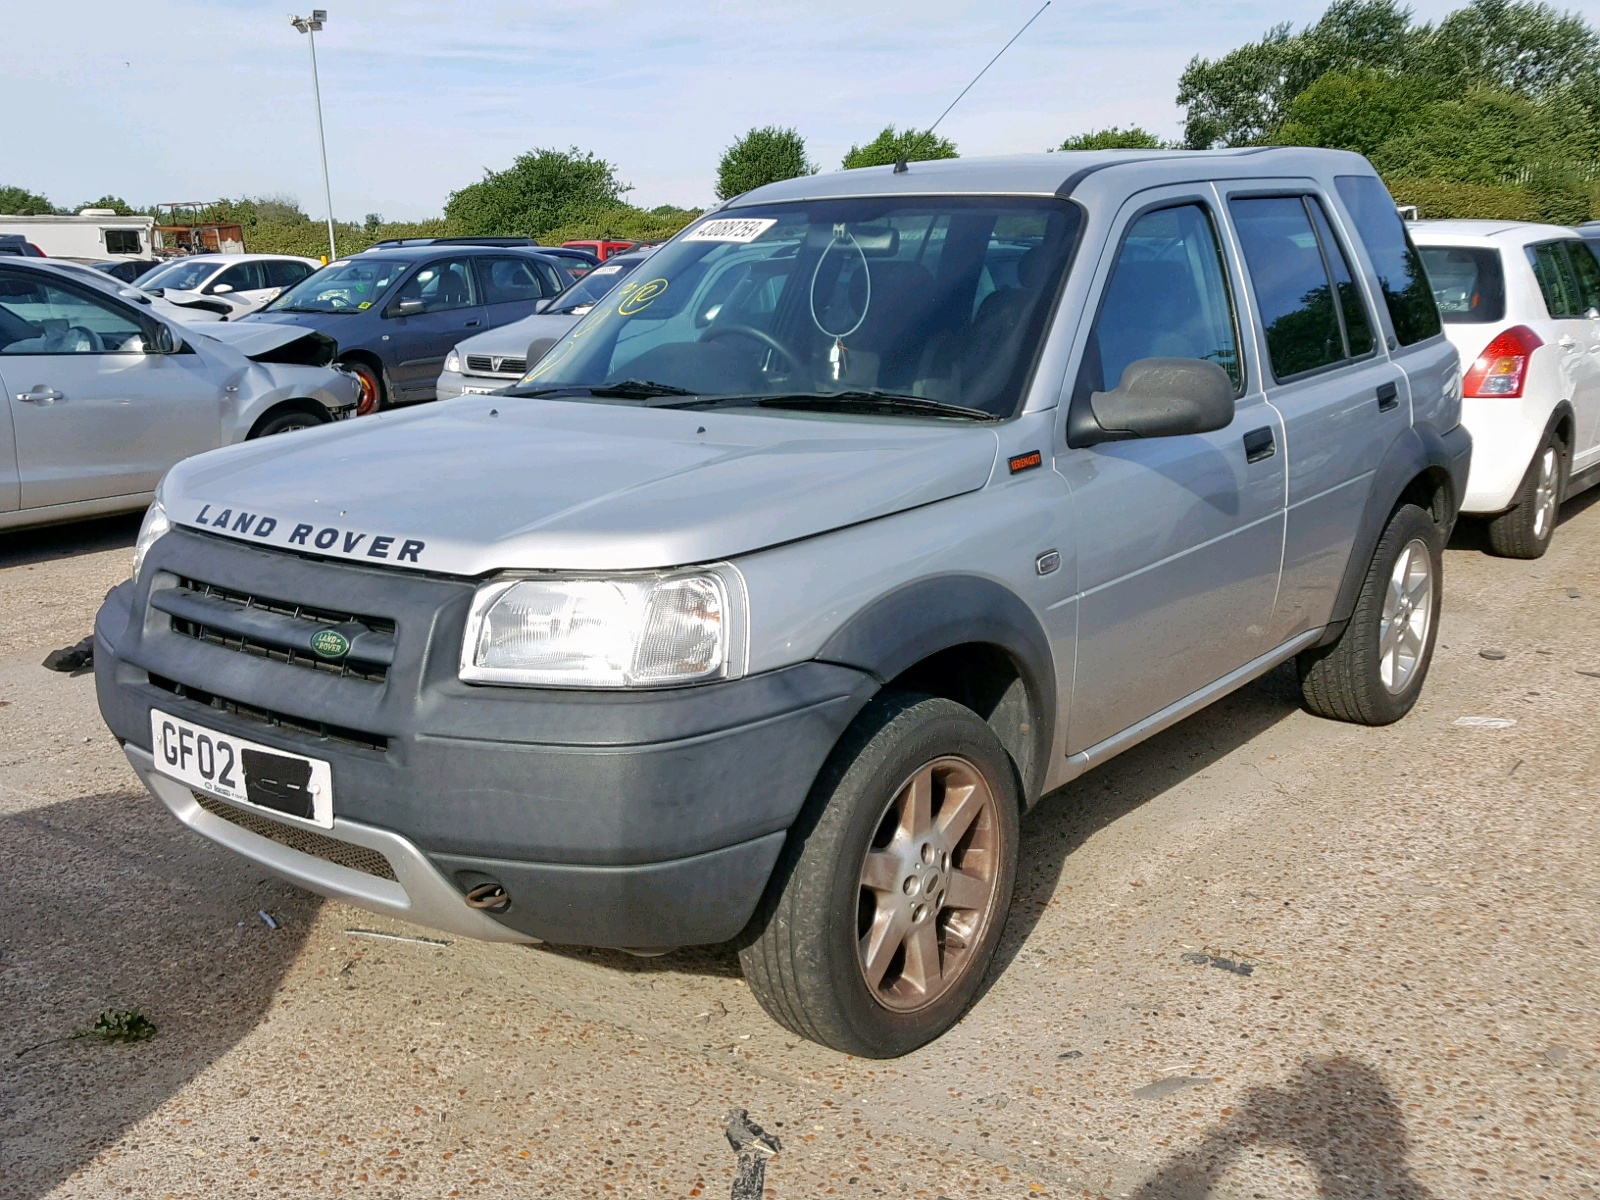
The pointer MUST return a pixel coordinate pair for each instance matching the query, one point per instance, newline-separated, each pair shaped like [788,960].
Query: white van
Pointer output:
[94,233]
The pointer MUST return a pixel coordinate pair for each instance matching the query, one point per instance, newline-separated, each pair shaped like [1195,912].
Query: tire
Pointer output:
[286,422]
[1525,529]
[374,397]
[1370,676]
[938,898]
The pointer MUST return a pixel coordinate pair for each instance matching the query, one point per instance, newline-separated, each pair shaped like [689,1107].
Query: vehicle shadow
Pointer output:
[1335,1115]
[51,542]
[1063,820]
[1470,534]
[108,905]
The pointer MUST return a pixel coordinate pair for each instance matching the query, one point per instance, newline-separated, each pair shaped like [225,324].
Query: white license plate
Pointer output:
[243,772]
[478,391]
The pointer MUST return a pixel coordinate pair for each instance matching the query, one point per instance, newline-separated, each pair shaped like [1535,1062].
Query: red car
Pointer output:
[602,248]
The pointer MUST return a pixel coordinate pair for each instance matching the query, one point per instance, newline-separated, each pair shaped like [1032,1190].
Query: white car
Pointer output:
[242,282]
[1521,302]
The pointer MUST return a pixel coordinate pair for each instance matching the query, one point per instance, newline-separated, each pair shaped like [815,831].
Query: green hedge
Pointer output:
[1436,198]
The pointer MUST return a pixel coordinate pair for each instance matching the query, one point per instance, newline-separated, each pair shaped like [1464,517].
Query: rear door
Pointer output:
[1569,278]
[1342,401]
[446,290]
[95,415]
[1180,539]
[512,288]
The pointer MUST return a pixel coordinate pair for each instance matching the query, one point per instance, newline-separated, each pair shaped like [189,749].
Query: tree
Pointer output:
[541,191]
[1114,137]
[1485,137]
[1527,49]
[371,222]
[914,145]
[115,203]
[20,202]
[1354,110]
[760,157]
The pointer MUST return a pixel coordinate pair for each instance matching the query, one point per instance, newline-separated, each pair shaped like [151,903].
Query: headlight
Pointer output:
[154,525]
[627,631]
[452,361]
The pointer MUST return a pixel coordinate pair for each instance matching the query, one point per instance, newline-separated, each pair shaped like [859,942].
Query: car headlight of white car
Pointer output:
[155,524]
[622,631]
[452,361]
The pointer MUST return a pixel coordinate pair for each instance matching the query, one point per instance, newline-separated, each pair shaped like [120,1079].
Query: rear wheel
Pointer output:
[1373,673]
[887,906]
[373,396]
[1525,530]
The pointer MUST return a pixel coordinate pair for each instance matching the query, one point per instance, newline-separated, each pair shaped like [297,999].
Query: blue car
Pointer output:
[396,313]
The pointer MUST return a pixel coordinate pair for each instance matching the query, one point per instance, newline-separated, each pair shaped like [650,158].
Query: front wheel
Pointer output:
[373,397]
[1373,673]
[286,422]
[890,898]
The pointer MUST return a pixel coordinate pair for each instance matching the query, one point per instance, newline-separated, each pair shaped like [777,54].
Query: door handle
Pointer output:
[473,324]
[41,395]
[1259,444]
[1567,342]
[1388,396]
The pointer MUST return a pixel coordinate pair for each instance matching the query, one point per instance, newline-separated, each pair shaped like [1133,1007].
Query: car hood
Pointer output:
[482,484]
[513,339]
[307,320]
[267,342]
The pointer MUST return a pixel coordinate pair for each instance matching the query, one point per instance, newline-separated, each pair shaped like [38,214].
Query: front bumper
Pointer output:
[641,819]
[455,383]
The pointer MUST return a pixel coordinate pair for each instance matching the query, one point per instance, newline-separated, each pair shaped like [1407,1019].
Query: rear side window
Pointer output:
[1558,282]
[1586,266]
[1401,276]
[282,273]
[507,280]
[1296,274]
[1469,283]
[1167,297]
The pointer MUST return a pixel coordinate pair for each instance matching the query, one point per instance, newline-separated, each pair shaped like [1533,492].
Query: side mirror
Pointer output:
[161,340]
[407,308]
[1166,397]
[221,289]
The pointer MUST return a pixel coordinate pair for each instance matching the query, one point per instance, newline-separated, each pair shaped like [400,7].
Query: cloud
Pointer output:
[192,99]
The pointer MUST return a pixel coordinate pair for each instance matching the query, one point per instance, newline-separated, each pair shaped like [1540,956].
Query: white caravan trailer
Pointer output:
[94,233]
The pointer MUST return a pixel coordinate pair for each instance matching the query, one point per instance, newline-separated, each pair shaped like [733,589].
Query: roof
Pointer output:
[1054,174]
[1513,232]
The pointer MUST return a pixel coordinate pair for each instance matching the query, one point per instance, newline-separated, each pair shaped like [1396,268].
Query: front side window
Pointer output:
[123,241]
[242,277]
[185,275]
[509,280]
[1558,283]
[39,316]
[348,285]
[1167,297]
[1294,294]
[1401,276]
[441,286]
[1469,283]
[822,303]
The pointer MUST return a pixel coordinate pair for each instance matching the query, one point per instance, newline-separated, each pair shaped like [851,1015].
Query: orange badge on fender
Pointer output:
[1026,462]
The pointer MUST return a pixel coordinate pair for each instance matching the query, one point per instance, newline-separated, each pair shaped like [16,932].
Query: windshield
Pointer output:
[185,275]
[349,285]
[939,298]
[1467,282]
[580,297]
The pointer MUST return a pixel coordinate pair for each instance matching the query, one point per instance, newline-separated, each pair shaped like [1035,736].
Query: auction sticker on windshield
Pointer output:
[242,771]
[732,229]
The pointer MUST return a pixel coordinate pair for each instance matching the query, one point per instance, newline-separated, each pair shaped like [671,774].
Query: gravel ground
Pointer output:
[1417,908]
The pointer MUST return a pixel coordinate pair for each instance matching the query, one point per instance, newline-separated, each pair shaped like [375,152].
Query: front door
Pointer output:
[1180,539]
[95,414]
[438,306]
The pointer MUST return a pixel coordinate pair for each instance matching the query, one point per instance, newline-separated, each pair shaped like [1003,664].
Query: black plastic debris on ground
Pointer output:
[71,658]
[1492,655]
[1222,964]
[754,1145]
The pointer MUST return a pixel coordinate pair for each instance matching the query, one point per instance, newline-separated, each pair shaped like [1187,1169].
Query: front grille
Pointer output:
[496,364]
[232,610]
[344,854]
[276,720]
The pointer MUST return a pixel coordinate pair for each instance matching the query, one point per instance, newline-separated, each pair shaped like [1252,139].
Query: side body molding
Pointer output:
[913,622]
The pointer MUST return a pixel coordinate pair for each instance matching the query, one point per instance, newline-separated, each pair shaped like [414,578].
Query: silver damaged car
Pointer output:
[873,509]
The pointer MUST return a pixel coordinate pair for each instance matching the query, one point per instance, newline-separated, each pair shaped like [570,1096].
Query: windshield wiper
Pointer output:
[297,309]
[861,401]
[626,389]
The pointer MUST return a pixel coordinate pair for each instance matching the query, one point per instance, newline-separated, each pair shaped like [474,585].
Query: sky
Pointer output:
[196,99]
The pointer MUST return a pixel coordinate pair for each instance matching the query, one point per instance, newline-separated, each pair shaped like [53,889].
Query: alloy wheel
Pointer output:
[1407,616]
[1545,499]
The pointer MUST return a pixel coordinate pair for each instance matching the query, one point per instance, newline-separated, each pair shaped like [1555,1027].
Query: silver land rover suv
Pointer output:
[874,508]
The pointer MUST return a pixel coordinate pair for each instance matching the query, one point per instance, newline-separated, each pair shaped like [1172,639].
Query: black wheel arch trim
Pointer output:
[918,620]
[1420,451]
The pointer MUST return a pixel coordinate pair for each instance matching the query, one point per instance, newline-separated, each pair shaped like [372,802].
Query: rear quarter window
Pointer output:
[1404,282]
[1469,283]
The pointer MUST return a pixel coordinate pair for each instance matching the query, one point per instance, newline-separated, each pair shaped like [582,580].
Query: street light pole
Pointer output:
[309,26]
